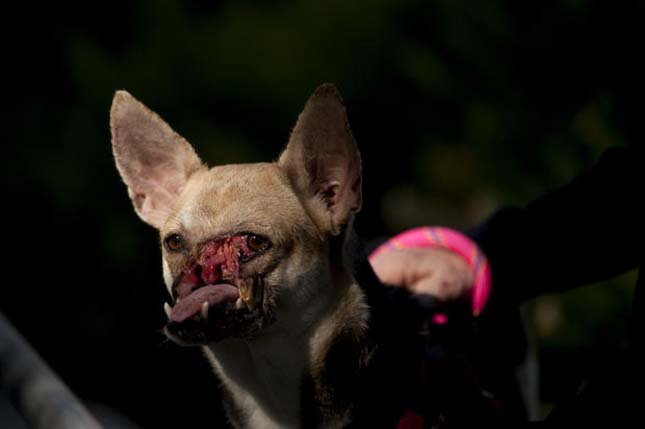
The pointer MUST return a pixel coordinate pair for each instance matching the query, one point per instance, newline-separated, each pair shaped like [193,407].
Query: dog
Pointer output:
[259,260]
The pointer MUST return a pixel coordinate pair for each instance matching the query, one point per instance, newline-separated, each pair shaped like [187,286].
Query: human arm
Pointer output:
[588,230]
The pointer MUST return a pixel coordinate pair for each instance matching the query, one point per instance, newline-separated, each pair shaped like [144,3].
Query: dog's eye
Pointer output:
[256,243]
[173,243]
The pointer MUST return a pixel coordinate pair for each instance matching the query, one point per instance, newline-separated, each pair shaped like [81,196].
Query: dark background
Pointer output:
[458,106]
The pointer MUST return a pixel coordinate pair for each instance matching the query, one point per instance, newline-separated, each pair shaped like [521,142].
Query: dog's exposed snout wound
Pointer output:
[213,279]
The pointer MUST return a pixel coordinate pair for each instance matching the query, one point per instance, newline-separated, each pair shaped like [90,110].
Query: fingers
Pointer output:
[445,285]
[437,272]
[391,267]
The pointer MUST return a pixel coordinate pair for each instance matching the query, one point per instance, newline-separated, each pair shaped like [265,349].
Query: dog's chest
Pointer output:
[263,382]
[252,414]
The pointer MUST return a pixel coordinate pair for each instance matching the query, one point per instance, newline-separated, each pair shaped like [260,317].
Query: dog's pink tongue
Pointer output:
[213,294]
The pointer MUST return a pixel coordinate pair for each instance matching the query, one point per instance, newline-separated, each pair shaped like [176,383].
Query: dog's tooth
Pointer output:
[205,310]
[239,303]
[243,290]
[167,308]
[247,293]
[249,299]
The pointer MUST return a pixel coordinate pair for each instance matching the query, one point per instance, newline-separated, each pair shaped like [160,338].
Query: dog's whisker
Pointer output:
[258,292]
[257,295]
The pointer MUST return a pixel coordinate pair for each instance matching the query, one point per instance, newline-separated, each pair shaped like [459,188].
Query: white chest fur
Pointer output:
[264,378]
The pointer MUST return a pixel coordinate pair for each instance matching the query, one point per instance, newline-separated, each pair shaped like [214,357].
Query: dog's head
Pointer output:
[244,246]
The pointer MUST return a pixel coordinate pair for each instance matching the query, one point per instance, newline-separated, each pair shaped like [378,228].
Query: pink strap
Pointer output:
[410,420]
[450,239]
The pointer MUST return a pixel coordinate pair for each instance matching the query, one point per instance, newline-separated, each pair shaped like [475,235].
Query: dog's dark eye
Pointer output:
[173,243]
[256,243]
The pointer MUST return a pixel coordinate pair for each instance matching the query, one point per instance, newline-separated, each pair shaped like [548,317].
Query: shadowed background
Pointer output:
[458,106]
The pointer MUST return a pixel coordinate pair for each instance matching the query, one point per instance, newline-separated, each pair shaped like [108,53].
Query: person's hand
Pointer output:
[435,271]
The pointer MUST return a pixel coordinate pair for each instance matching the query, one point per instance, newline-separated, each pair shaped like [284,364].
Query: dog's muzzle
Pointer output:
[212,300]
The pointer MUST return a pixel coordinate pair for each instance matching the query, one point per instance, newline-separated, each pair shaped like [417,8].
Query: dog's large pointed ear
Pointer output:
[153,160]
[323,162]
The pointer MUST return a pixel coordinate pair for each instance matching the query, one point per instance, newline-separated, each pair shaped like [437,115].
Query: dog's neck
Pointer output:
[266,376]
[263,379]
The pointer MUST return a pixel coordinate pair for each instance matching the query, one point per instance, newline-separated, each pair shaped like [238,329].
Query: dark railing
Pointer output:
[37,393]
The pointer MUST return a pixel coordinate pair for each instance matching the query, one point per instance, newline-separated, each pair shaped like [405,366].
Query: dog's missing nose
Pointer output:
[257,260]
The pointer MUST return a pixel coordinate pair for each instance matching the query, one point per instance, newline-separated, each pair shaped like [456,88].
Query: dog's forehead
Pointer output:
[243,197]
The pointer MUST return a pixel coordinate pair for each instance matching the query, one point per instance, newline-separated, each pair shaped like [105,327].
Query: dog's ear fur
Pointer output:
[323,162]
[153,160]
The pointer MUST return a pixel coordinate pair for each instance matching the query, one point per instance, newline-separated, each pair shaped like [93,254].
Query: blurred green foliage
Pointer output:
[232,76]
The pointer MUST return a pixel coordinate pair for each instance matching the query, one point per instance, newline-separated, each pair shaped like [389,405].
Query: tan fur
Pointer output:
[350,318]
[298,204]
